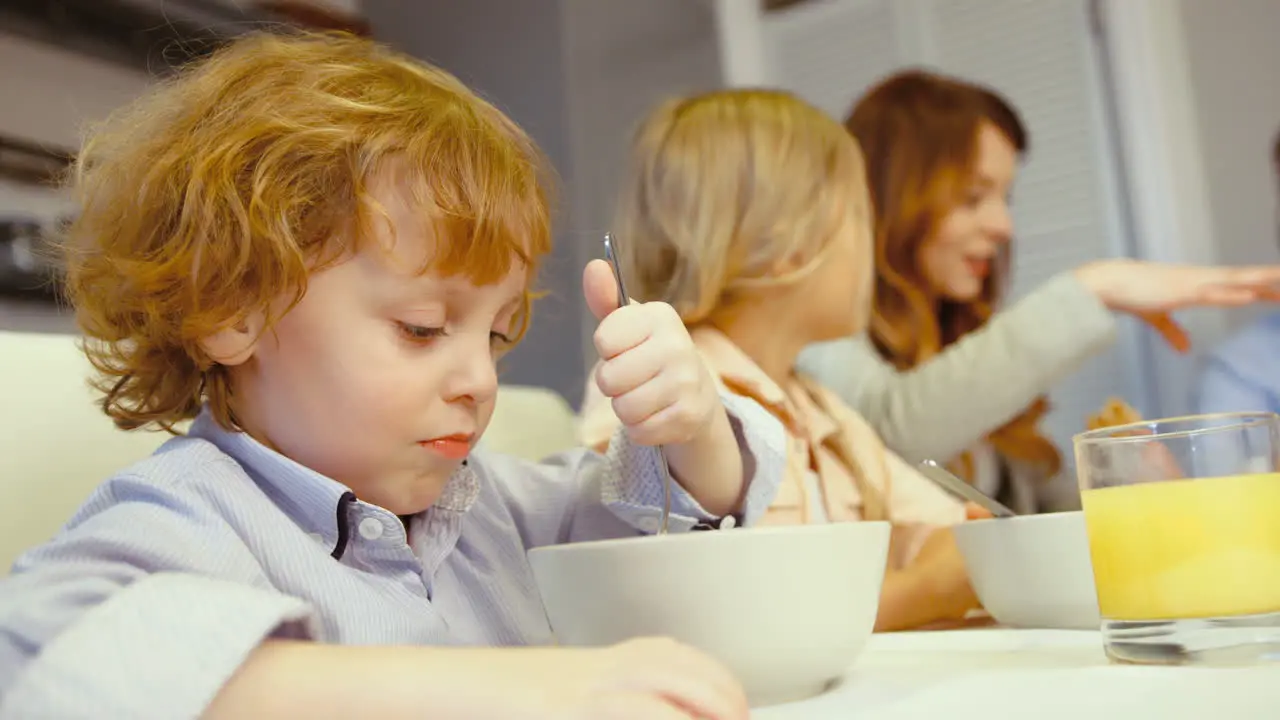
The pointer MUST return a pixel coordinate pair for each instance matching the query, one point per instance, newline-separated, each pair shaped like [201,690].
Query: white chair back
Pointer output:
[56,445]
[531,422]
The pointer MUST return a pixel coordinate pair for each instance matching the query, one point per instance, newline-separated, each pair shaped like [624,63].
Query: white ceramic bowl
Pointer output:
[787,609]
[1032,571]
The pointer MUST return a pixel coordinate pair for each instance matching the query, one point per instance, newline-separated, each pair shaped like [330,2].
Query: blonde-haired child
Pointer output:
[747,211]
[316,248]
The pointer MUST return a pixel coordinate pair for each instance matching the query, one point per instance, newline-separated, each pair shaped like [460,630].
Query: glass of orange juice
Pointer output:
[1183,518]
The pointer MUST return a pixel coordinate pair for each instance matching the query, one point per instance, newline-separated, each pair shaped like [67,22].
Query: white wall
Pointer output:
[1234,56]
[1197,92]
[1197,108]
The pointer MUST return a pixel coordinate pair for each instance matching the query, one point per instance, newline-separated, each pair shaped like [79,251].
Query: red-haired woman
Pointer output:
[937,374]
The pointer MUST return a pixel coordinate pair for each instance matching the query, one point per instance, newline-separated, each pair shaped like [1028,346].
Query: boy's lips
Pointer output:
[454,447]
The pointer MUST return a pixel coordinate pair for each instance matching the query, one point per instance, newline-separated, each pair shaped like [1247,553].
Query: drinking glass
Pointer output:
[1183,519]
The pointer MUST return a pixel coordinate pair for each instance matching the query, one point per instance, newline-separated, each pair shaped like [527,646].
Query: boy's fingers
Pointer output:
[599,288]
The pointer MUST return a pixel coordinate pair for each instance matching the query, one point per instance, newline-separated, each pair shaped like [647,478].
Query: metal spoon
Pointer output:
[963,490]
[625,299]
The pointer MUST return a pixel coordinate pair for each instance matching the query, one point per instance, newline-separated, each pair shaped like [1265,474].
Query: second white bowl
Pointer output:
[1032,571]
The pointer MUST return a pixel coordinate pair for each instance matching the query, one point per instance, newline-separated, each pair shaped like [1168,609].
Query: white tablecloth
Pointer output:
[1001,674]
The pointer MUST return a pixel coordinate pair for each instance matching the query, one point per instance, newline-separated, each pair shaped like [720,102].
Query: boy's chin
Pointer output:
[416,495]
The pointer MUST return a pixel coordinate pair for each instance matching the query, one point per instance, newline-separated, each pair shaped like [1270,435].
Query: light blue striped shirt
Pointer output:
[178,567]
[1243,374]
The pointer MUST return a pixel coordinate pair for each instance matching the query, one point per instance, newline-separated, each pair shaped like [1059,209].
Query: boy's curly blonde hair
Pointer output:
[218,193]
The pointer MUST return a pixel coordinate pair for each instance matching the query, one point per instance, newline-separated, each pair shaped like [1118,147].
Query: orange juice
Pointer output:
[1185,549]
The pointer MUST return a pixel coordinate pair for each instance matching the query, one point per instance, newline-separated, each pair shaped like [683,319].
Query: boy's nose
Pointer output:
[475,376]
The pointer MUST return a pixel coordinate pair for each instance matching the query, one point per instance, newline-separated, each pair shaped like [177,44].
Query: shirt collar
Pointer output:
[315,502]
[307,497]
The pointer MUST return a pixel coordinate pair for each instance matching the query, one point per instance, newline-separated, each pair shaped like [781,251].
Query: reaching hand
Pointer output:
[1150,291]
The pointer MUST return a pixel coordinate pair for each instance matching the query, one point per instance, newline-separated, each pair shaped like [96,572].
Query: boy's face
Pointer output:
[381,378]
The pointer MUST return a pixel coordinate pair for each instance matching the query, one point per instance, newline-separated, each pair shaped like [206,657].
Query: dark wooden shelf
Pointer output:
[776,5]
[114,31]
[159,35]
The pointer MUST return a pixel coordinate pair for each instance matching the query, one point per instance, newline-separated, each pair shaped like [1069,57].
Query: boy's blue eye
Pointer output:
[418,333]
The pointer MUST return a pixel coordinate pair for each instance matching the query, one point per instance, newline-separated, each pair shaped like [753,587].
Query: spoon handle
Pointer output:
[954,485]
[610,253]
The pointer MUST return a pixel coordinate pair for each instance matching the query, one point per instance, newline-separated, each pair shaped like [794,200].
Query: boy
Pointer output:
[317,249]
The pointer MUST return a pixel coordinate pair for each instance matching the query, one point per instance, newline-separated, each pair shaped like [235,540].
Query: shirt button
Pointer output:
[728,523]
[370,528]
[317,537]
[649,524]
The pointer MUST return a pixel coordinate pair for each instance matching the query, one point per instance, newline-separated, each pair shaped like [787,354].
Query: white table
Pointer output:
[1001,674]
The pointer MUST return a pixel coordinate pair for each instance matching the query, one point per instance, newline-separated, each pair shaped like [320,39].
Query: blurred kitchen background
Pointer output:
[1151,122]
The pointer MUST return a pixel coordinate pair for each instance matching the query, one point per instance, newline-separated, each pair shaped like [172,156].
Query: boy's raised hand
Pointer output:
[663,393]
[649,367]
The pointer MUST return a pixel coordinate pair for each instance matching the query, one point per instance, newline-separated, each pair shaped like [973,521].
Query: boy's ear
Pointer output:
[235,344]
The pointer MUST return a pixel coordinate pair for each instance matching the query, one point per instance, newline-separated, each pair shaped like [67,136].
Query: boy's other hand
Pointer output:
[641,679]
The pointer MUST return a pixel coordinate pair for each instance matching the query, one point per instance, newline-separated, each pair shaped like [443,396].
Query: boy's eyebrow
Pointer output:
[434,290]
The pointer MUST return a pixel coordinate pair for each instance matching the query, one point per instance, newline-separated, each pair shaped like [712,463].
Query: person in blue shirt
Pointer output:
[317,249]
[1243,373]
